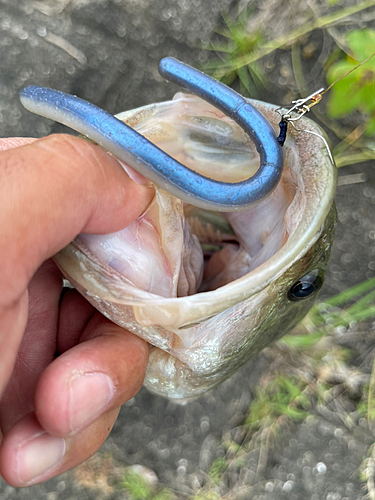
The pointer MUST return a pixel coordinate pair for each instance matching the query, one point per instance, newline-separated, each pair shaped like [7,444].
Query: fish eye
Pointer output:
[306,286]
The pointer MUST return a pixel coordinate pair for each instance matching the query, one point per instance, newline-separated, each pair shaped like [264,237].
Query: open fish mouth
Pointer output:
[210,290]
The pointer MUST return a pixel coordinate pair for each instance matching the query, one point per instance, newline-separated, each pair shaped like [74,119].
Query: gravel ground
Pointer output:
[107,52]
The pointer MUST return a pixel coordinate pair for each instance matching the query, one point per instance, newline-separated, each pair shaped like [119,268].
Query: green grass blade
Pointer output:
[361,304]
[245,79]
[351,293]
[302,341]
[358,317]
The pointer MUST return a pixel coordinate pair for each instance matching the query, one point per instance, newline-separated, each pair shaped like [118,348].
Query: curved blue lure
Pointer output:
[149,160]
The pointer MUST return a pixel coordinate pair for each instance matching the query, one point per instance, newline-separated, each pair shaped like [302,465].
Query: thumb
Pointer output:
[50,191]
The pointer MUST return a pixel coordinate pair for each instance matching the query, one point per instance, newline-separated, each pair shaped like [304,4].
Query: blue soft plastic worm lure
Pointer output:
[138,152]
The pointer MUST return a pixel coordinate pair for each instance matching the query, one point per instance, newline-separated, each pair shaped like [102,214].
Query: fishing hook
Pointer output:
[149,160]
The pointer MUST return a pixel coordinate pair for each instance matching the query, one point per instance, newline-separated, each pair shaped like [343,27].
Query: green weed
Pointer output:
[305,359]
[283,396]
[238,43]
[241,54]
[218,467]
[137,486]
[139,489]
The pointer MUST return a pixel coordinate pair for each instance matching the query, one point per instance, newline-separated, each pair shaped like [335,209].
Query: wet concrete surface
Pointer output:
[108,52]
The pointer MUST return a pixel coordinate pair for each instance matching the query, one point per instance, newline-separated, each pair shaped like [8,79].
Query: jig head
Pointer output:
[142,155]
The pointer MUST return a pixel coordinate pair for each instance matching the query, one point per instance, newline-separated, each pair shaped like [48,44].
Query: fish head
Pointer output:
[210,290]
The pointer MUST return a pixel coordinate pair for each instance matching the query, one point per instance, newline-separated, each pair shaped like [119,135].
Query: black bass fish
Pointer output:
[210,290]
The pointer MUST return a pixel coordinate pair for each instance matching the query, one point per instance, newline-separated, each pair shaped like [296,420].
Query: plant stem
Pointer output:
[350,139]
[344,159]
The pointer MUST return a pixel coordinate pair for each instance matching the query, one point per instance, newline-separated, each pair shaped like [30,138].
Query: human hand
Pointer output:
[64,368]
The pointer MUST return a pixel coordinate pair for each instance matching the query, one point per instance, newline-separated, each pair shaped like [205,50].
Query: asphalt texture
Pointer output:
[107,52]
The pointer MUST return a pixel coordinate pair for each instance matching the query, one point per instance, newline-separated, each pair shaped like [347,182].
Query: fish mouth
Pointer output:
[297,210]
[300,205]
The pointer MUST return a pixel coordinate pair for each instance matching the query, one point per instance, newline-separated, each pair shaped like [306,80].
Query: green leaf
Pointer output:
[343,98]
[246,81]
[293,413]
[362,44]
[355,91]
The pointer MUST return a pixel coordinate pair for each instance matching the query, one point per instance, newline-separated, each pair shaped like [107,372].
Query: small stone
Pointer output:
[269,487]
[181,470]
[321,468]
[338,432]
[288,486]
[61,486]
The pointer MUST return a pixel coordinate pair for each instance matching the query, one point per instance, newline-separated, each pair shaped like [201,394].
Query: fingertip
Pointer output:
[28,454]
[100,374]
[70,401]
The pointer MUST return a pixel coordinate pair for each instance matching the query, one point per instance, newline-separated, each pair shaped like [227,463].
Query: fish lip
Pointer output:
[302,239]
